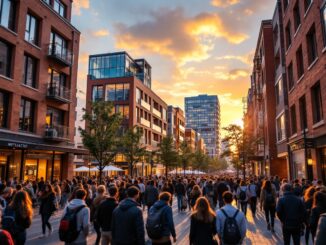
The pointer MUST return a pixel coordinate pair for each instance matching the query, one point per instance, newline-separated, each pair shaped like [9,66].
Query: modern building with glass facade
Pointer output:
[38,75]
[203,116]
[126,82]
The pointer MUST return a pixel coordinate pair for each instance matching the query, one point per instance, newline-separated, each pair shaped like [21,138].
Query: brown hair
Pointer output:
[22,203]
[309,193]
[203,211]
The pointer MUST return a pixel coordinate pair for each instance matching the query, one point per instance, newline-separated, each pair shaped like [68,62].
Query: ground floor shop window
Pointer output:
[299,164]
[30,171]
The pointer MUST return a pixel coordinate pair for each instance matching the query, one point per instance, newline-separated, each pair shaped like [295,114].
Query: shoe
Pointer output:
[268,227]
[42,236]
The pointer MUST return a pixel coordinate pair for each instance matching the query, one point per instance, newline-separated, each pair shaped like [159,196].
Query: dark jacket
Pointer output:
[291,210]
[202,233]
[180,189]
[151,195]
[321,231]
[128,224]
[167,218]
[104,213]
[314,218]
[47,206]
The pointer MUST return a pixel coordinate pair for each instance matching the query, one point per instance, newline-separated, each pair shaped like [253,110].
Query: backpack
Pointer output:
[9,222]
[154,224]
[231,231]
[269,198]
[68,225]
[242,195]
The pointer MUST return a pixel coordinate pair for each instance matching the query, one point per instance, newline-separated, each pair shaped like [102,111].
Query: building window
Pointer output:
[296,16]
[316,100]
[279,92]
[54,117]
[300,67]
[290,75]
[4,101]
[59,7]
[117,92]
[7,14]
[323,13]
[303,112]
[307,4]
[58,45]
[29,72]
[5,59]
[285,4]
[281,128]
[123,110]
[311,45]
[288,35]
[31,30]
[97,93]
[26,115]
[293,120]
[47,1]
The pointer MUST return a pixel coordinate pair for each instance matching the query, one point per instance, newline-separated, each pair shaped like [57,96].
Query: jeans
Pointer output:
[253,205]
[295,233]
[244,207]
[179,199]
[270,215]
[106,237]
[45,222]
[97,228]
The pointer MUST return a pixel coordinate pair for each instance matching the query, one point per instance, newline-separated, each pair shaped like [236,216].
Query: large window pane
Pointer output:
[126,91]
[97,93]
[59,7]
[4,101]
[5,59]
[26,115]
[7,14]
[323,13]
[31,30]
[317,103]
[119,92]
[110,92]
[29,72]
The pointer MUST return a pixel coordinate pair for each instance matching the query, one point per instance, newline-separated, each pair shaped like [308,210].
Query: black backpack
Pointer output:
[9,222]
[242,195]
[269,198]
[231,231]
[155,223]
[68,225]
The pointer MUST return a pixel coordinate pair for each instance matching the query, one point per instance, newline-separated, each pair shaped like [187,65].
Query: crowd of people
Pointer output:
[116,208]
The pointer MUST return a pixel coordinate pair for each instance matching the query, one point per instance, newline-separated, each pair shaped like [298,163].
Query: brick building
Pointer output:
[126,82]
[176,125]
[305,42]
[191,138]
[38,76]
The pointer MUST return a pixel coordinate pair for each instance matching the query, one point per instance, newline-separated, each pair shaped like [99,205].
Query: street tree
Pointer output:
[185,156]
[100,135]
[168,154]
[217,164]
[200,161]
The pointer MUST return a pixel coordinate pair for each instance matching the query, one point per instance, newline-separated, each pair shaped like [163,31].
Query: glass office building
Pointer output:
[120,64]
[203,115]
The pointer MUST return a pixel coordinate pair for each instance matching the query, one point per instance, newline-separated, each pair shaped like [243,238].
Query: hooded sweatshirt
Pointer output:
[83,218]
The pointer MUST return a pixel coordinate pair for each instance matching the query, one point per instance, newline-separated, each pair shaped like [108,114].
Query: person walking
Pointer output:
[291,212]
[94,208]
[17,217]
[82,212]
[194,195]
[202,224]
[161,214]
[127,221]
[268,204]
[308,202]
[318,208]
[321,231]
[65,190]
[242,196]
[47,207]
[104,215]
[252,197]
[209,193]
[231,224]
[180,191]
[151,194]
[168,187]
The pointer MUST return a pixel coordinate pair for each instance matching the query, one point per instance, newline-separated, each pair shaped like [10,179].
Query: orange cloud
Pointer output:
[101,33]
[224,3]
[78,5]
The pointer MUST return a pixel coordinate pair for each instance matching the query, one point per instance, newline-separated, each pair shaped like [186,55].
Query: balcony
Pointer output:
[145,122]
[157,128]
[142,140]
[144,104]
[58,93]
[60,54]
[155,143]
[157,113]
[164,132]
[182,128]
[56,132]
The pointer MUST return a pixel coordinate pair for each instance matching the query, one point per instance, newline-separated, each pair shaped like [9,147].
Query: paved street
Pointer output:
[257,230]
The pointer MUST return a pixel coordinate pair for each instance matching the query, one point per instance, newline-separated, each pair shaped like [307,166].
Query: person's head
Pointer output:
[23,204]
[309,193]
[243,183]
[7,192]
[133,192]
[319,199]
[267,185]
[48,188]
[196,188]
[287,188]
[113,190]
[227,197]
[203,210]
[101,189]
[80,194]
[165,197]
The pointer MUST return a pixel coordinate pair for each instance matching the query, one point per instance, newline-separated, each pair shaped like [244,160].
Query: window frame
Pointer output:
[312,48]
[290,76]
[288,35]
[293,117]
[5,109]
[34,41]
[8,70]
[323,21]
[34,72]
[61,6]
[303,113]
[301,64]
[296,16]
[11,15]
[30,127]
[316,99]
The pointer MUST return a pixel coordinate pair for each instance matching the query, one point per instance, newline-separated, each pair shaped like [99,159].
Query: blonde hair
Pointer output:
[203,211]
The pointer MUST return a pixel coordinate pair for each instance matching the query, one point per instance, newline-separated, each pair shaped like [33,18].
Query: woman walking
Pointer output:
[47,208]
[21,209]
[94,209]
[194,195]
[318,208]
[308,201]
[242,196]
[202,224]
[268,203]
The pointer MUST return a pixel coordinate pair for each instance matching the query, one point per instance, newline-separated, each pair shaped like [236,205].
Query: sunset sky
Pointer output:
[194,46]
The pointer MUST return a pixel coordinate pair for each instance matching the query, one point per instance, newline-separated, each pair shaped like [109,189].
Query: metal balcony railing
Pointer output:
[60,54]
[56,132]
[58,92]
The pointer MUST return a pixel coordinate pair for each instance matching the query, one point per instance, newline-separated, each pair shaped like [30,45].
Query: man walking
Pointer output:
[150,195]
[180,191]
[127,221]
[291,212]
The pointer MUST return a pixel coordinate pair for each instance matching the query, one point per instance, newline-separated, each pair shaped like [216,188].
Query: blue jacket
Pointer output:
[168,224]
[291,210]
[128,224]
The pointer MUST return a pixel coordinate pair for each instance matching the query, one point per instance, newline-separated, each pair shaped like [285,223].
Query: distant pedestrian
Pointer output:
[180,191]
[100,196]
[268,203]
[47,207]
[242,196]
[151,194]
[308,202]
[194,195]
[202,224]
[252,195]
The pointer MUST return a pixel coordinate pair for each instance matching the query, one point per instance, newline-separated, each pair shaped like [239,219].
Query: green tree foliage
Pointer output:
[200,161]
[218,164]
[185,156]
[168,155]
[100,136]
[131,147]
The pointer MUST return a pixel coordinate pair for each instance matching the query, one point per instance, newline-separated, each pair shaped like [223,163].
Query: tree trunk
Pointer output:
[101,171]
[184,169]
[166,171]
[130,169]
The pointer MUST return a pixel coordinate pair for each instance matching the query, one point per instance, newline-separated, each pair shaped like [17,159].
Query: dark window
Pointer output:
[58,45]
[307,4]
[31,30]
[59,7]
[58,81]
[285,4]
[279,92]
[275,34]
[97,93]
[303,112]
[29,72]
[293,120]
[323,13]
[316,100]
[290,76]
[288,37]
[54,117]
[117,92]
[4,101]
[7,14]
[300,67]
[296,16]
[5,59]
[26,115]
[311,44]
